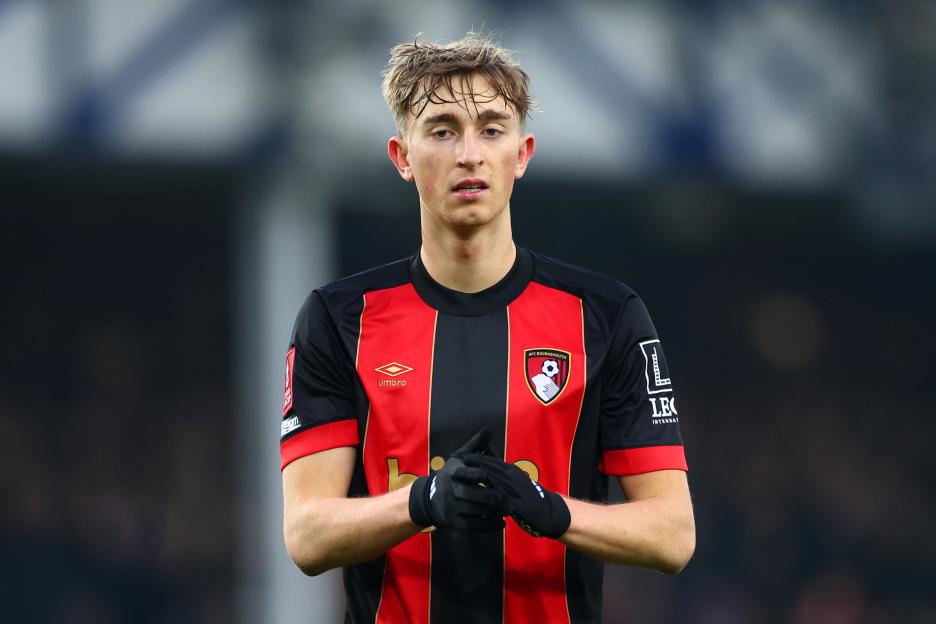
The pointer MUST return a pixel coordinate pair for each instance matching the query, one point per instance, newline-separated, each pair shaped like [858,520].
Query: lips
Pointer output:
[470,185]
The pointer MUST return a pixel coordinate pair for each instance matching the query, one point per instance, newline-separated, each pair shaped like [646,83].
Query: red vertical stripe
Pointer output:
[398,328]
[541,318]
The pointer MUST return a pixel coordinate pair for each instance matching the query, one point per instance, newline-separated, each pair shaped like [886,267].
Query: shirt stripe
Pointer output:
[540,437]
[397,328]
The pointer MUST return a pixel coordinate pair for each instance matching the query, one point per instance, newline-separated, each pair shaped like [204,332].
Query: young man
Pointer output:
[429,398]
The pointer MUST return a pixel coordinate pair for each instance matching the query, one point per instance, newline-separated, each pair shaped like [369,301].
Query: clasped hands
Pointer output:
[475,490]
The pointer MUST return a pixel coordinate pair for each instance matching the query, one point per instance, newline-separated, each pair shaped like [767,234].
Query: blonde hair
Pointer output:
[417,72]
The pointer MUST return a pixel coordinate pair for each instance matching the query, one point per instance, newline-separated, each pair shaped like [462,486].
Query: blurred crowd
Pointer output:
[118,502]
[814,509]
[116,423]
[807,415]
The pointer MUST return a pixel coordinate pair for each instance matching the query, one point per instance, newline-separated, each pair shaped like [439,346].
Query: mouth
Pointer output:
[470,189]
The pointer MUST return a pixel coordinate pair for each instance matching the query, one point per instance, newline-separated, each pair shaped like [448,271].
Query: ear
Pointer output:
[527,149]
[399,156]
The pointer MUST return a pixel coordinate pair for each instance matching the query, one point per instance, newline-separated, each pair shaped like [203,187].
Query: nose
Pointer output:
[469,153]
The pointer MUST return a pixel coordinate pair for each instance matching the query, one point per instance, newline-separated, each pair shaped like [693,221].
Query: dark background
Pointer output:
[115,398]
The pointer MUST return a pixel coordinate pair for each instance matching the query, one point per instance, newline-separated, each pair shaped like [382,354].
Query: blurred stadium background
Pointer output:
[176,175]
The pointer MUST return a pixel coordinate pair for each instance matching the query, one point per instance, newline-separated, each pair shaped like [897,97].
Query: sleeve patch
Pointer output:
[655,369]
[288,381]
[289,425]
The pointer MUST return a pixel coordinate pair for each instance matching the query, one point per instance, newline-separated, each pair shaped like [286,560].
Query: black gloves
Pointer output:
[538,511]
[452,497]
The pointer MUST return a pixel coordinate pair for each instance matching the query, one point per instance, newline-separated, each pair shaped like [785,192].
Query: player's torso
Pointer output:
[431,380]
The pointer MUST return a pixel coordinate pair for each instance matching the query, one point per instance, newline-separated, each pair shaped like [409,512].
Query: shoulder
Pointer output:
[345,296]
[347,290]
[581,282]
[377,278]
[611,304]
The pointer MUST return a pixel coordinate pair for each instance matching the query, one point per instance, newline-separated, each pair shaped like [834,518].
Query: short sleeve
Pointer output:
[318,393]
[639,425]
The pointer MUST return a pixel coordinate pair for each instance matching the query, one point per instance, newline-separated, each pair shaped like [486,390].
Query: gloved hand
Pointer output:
[453,497]
[538,511]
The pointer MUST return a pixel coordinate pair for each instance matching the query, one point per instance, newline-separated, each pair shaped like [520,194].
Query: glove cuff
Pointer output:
[555,524]
[561,517]
[419,502]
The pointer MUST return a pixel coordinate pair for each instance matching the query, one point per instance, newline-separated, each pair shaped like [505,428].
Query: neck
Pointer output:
[471,259]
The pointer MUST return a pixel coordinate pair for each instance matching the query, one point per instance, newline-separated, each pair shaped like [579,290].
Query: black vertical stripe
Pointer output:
[363,582]
[469,390]
[583,574]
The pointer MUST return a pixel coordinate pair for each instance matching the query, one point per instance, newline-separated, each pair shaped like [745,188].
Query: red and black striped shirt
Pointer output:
[562,364]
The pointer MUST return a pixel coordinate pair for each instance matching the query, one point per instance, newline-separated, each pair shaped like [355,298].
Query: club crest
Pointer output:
[547,372]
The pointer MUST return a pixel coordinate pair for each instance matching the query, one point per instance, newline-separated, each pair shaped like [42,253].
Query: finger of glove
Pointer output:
[478,442]
[468,508]
[489,497]
[478,525]
[464,474]
[474,476]
[499,474]
[487,449]
[507,477]
[492,465]
[509,488]
[452,465]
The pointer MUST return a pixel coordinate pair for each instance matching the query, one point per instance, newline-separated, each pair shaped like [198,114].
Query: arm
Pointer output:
[640,439]
[323,529]
[654,529]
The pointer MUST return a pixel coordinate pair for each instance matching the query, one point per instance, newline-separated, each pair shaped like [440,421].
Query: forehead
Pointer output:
[467,97]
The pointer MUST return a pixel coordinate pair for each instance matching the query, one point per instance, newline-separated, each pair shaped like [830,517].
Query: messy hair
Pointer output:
[419,73]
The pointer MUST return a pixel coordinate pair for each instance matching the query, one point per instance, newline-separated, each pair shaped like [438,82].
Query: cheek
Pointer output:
[508,167]
[426,174]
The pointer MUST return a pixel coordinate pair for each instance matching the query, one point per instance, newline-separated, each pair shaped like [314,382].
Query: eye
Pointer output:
[440,133]
[492,132]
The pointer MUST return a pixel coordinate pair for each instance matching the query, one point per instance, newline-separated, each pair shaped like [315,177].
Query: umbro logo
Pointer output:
[393,369]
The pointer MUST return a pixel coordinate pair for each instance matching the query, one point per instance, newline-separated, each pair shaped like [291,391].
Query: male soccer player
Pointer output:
[429,399]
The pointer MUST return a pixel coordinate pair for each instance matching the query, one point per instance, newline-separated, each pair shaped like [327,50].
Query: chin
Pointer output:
[469,221]
[469,216]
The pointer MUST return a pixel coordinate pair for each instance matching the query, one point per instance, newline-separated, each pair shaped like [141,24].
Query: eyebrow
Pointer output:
[488,115]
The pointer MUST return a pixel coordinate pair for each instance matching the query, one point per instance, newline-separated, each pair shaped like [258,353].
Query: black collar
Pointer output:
[489,300]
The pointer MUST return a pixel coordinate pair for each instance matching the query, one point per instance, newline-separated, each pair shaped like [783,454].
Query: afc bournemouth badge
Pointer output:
[547,372]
